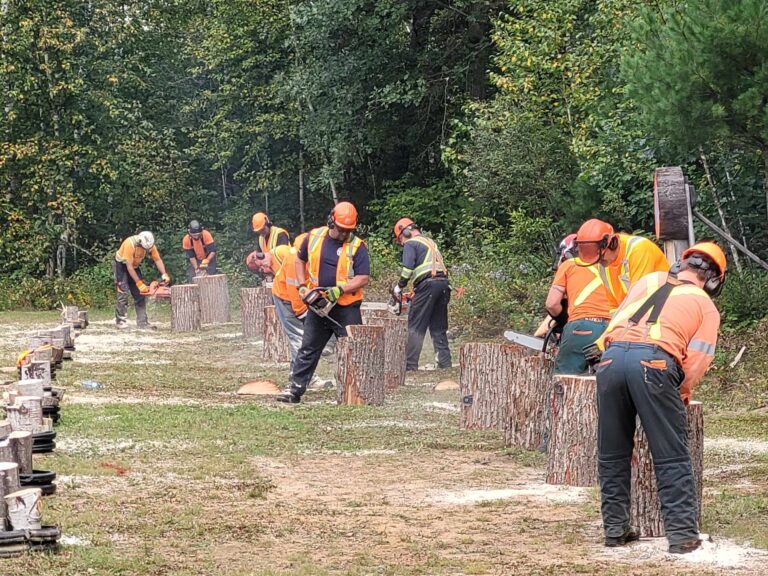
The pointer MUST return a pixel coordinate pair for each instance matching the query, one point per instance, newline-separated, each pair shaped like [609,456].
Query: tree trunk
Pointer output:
[6,451]
[360,366]
[485,371]
[252,304]
[37,370]
[21,443]
[26,413]
[395,340]
[276,347]
[572,446]
[25,508]
[527,397]
[9,483]
[645,510]
[65,332]
[214,298]
[185,308]
[719,206]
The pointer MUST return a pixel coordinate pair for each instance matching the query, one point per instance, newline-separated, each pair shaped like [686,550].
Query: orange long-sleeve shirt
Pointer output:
[686,328]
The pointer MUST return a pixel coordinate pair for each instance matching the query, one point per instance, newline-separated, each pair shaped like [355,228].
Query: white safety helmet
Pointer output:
[146,240]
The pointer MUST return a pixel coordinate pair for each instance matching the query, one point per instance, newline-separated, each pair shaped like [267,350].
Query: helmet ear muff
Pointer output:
[611,242]
[407,233]
[331,222]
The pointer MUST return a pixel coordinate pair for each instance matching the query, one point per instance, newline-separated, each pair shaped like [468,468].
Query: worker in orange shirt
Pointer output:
[200,248]
[659,344]
[291,309]
[128,277]
[270,236]
[587,310]
[622,259]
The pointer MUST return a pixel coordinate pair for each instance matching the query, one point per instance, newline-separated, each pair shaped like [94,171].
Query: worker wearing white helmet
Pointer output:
[128,277]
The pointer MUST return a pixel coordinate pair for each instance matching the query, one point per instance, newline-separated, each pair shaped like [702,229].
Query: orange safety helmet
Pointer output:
[594,230]
[344,216]
[713,251]
[299,240]
[280,253]
[258,221]
[402,225]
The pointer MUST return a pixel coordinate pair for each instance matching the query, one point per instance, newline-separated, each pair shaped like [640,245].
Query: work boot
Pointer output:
[146,326]
[121,325]
[685,547]
[630,535]
[288,398]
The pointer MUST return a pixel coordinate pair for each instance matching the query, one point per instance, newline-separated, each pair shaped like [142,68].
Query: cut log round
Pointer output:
[572,445]
[66,334]
[82,319]
[259,388]
[25,508]
[276,347]
[37,370]
[252,304]
[360,366]
[32,387]
[26,413]
[5,428]
[485,370]
[21,443]
[645,509]
[6,451]
[214,298]
[528,394]
[395,341]
[9,483]
[43,353]
[70,315]
[185,308]
[670,203]
[369,314]
[39,340]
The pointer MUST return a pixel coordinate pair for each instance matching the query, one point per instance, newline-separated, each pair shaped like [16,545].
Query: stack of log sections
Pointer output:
[504,387]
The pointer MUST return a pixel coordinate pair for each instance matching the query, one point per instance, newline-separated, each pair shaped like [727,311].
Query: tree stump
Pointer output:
[70,315]
[252,304]
[21,444]
[9,483]
[40,340]
[66,334]
[276,347]
[31,387]
[37,370]
[82,320]
[5,428]
[645,509]
[369,314]
[25,508]
[6,451]
[185,308]
[214,298]
[360,366]
[572,446]
[26,413]
[485,371]
[42,353]
[395,340]
[528,394]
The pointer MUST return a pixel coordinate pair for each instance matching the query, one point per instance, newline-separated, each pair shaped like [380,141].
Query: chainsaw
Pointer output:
[159,290]
[318,302]
[397,300]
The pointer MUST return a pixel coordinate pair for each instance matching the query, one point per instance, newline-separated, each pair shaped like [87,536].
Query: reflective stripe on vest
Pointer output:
[271,243]
[589,288]
[346,258]
[433,260]
[624,276]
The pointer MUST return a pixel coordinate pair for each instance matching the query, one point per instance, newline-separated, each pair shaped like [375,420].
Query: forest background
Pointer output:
[498,126]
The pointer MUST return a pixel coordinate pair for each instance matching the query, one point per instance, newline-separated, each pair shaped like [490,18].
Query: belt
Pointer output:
[646,345]
[426,277]
[594,319]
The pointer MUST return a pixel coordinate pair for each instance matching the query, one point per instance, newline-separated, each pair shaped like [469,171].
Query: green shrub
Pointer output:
[744,298]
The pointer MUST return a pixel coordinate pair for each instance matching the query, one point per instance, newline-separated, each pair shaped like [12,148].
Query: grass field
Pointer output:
[166,471]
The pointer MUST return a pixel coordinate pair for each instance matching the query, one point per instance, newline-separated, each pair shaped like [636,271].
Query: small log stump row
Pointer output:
[70,315]
[572,446]
[37,370]
[26,413]
[485,371]
[360,366]
[214,298]
[31,387]
[21,444]
[395,340]
[185,308]
[276,347]
[527,397]
[25,508]
[645,509]
[9,483]
[252,304]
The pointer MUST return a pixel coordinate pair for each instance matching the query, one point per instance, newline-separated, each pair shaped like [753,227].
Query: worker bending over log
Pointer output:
[200,249]
[423,265]
[658,345]
[333,259]
[128,277]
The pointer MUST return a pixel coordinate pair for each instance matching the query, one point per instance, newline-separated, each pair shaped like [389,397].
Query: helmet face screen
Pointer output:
[589,251]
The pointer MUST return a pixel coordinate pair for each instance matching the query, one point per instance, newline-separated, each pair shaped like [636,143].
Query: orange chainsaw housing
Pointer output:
[159,290]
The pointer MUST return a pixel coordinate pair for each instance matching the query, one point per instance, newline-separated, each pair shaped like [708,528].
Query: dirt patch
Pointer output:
[736,446]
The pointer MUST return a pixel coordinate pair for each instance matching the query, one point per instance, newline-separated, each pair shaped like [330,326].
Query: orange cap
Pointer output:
[280,253]
[713,251]
[258,221]
[299,240]
[344,215]
[401,225]
[594,230]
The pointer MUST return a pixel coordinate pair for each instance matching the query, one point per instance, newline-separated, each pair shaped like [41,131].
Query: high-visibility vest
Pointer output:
[286,285]
[344,268]
[433,260]
[618,290]
[271,243]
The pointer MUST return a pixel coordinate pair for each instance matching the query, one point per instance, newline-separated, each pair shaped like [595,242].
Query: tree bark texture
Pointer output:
[25,508]
[185,308]
[485,371]
[31,387]
[360,366]
[21,444]
[214,298]
[6,451]
[572,446]
[26,413]
[252,304]
[527,397]
[369,314]
[5,428]
[9,483]
[645,510]
[66,334]
[82,319]
[276,347]
[395,340]
[670,201]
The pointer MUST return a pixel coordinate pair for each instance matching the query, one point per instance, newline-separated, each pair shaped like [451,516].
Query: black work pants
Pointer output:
[317,332]
[429,310]
[643,379]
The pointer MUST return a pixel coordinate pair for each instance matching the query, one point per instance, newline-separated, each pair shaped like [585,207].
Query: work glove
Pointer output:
[166,279]
[397,292]
[333,294]
[204,265]
[592,353]
[302,316]
[143,288]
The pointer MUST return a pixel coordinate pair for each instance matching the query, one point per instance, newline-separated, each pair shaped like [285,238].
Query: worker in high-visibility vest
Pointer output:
[587,311]
[270,236]
[658,345]
[423,265]
[622,259]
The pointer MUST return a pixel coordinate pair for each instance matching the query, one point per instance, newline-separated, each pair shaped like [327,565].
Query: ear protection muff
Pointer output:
[609,242]
[714,283]
[407,233]
[331,221]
